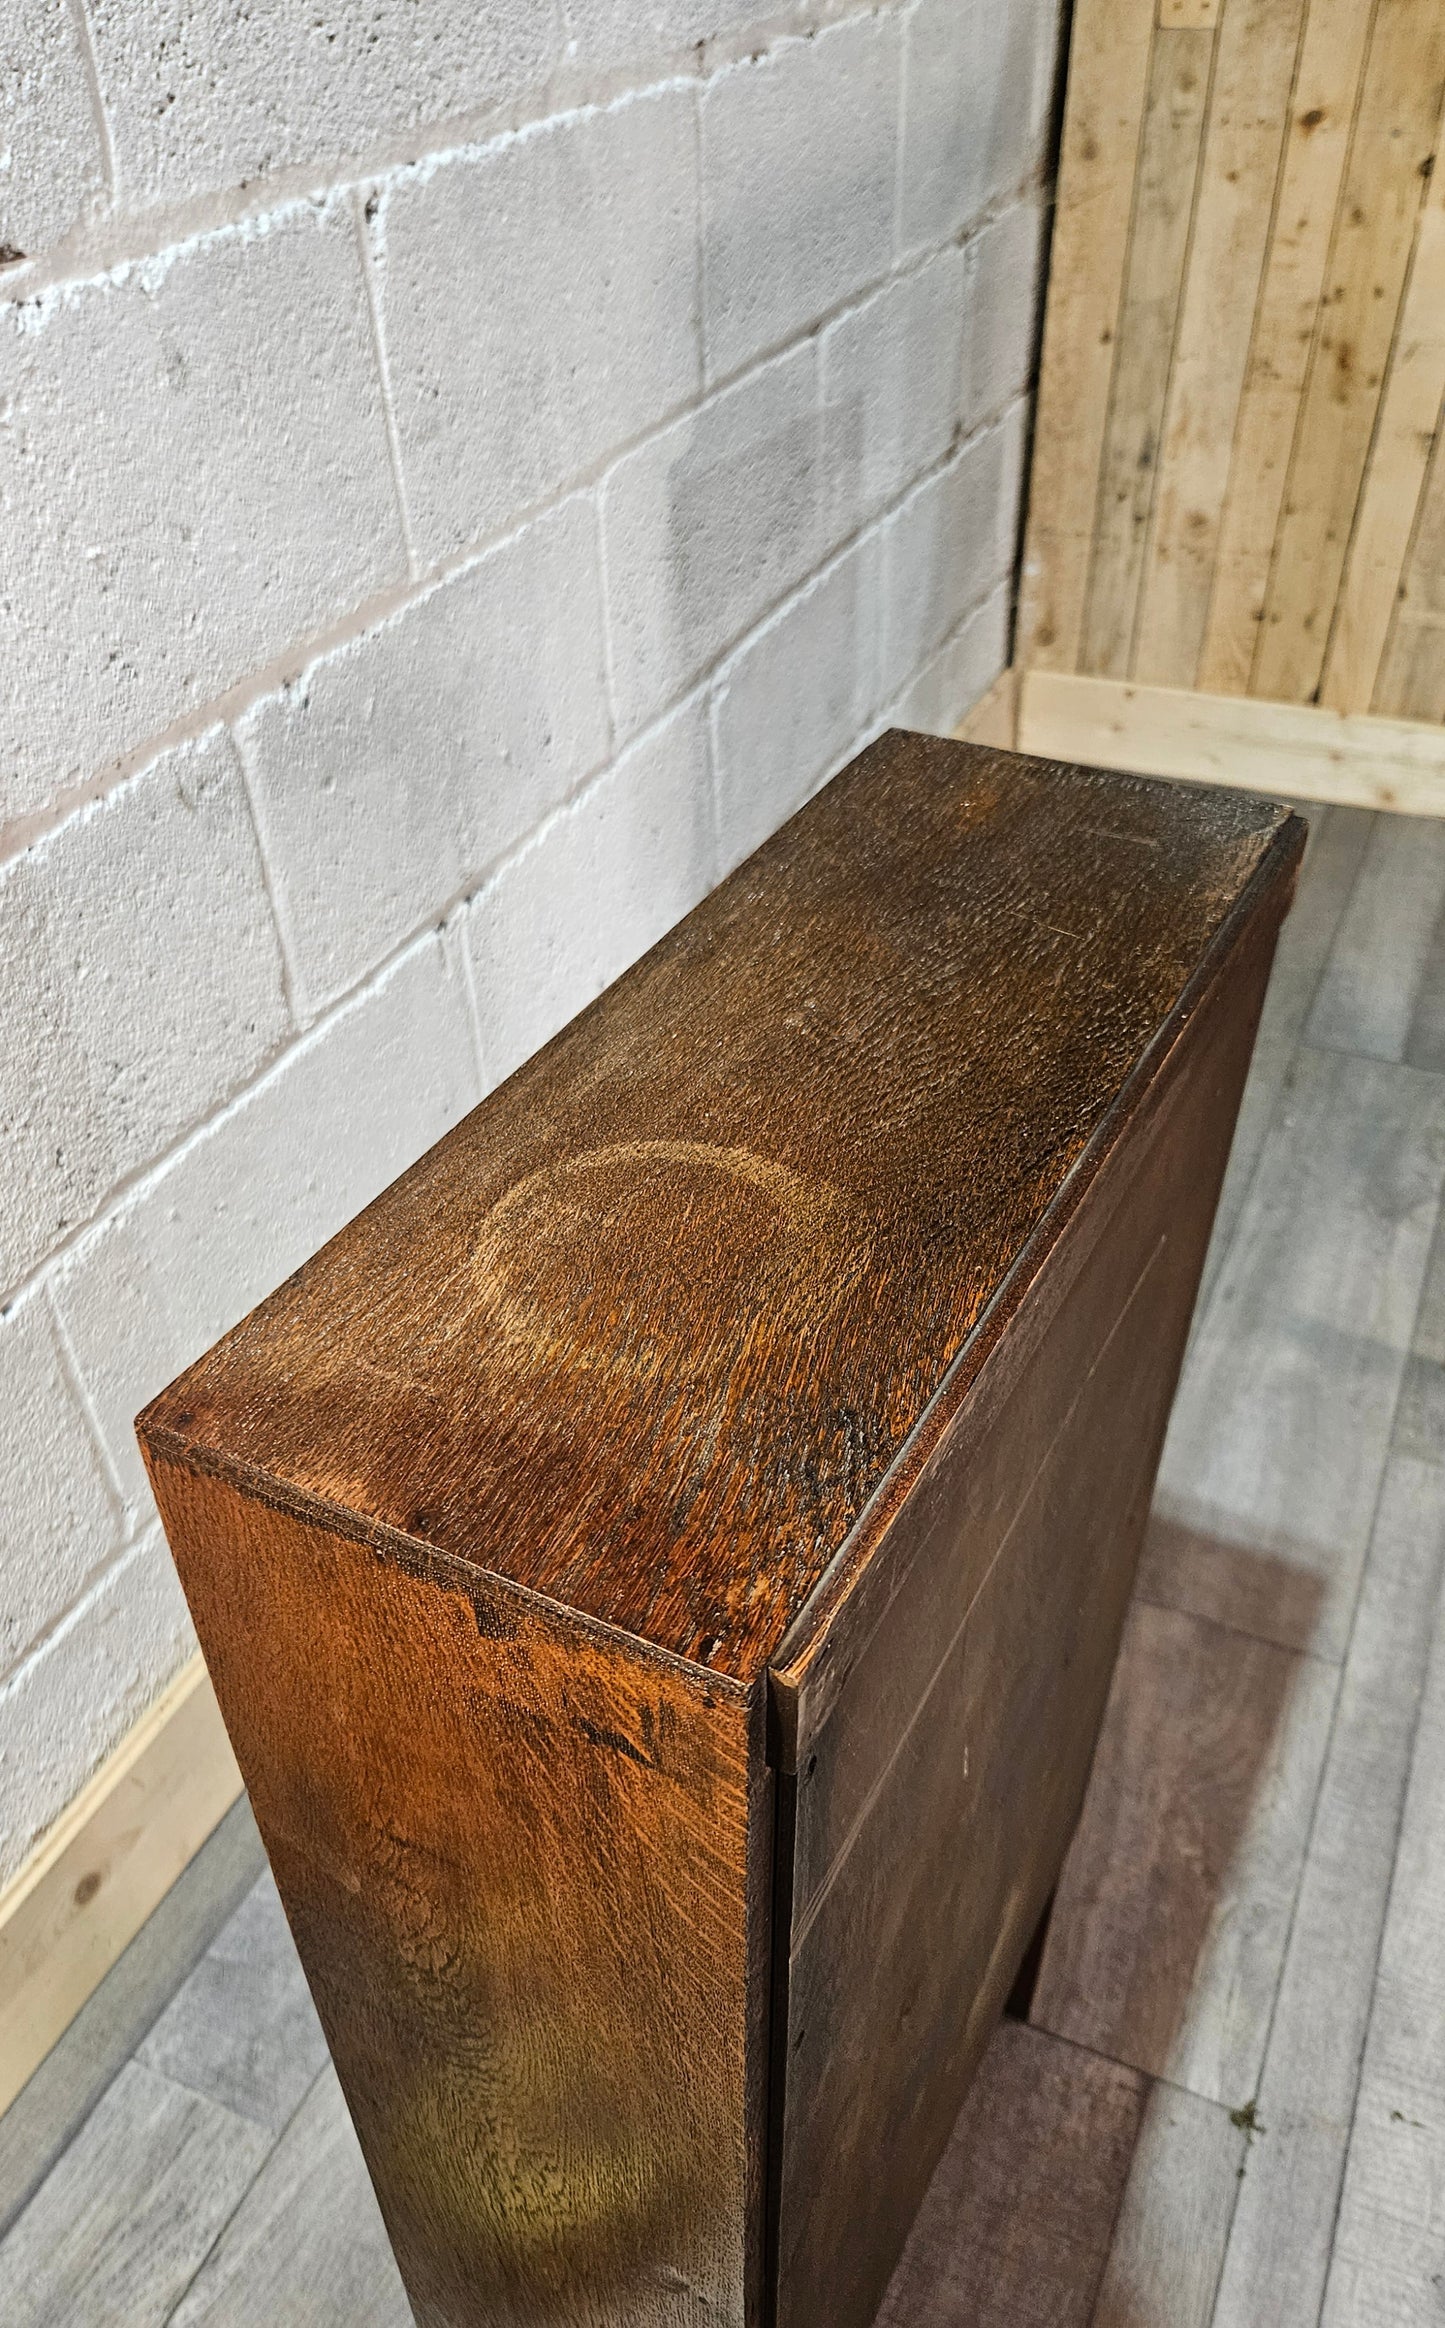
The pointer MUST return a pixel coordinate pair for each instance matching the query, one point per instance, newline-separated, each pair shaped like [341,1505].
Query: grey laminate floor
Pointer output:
[1228,2103]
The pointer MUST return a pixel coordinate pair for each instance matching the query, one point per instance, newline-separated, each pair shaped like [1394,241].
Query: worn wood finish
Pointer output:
[944,1740]
[1267,283]
[535,1529]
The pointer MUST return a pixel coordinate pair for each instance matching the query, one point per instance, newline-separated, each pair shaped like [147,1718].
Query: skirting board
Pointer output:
[1299,750]
[107,1862]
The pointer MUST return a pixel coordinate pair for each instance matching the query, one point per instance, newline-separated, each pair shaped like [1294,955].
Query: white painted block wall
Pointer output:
[467,475]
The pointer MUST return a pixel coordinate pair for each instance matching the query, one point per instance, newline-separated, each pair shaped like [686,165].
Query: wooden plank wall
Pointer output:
[1236,484]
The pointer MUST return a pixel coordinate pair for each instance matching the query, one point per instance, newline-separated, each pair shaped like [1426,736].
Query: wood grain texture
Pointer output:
[59,2097]
[306,2248]
[1280,2240]
[1412,672]
[1258,454]
[1380,980]
[1108,75]
[1300,750]
[551,2079]
[1274,1457]
[1317,144]
[76,1905]
[1399,460]
[1249,98]
[1016,2226]
[533,1532]
[1389,2255]
[1173,1910]
[122,2224]
[1174,108]
[943,1745]
[1170,2233]
[1391,156]
[645,1332]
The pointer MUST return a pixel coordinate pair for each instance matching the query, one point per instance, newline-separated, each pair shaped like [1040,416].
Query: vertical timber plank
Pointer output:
[1395,481]
[1412,672]
[1163,201]
[1317,145]
[1253,75]
[1390,159]
[1103,123]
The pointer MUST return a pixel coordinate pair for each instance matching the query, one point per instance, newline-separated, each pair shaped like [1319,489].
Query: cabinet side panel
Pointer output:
[924,1857]
[524,1871]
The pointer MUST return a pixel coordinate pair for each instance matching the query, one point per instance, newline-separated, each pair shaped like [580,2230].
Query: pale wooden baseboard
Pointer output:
[108,1861]
[1299,750]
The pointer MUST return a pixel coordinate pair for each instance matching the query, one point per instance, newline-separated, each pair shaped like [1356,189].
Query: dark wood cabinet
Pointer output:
[661,1566]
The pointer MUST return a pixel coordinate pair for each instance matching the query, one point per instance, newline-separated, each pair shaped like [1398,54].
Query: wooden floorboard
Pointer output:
[75,2073]
[1392,2212]
[1230,2107]
[1280,2241]
[1170,2236]
[122,2223]
[306,2247]
[1339,838]
[242,2028]
[1016,2226]
[1173,1911]
[1280,1430]
[1386,944]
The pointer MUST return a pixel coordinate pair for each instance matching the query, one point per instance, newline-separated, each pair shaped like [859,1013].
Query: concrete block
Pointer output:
[253,1195]
[706,527]
[1001,307]
[197,476]
[977,87]
[69,1706]
[140,983]
[400,767]
[890,373]
[791,704]
[948,546]
[612,34]
[799,170]
[540,304]
[962,670]
[52,168]
[58,1520]
[208,97]
[599,885]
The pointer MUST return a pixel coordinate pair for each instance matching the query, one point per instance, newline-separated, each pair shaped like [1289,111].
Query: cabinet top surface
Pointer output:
[645,1331]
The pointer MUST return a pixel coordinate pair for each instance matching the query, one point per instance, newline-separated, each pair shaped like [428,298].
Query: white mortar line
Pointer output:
[285,942]
[454,933]
[23,832]
[362,210]
[76,1384]
[91,65]
[63,1620]
[904,46]
[119,1194]
[93,249]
